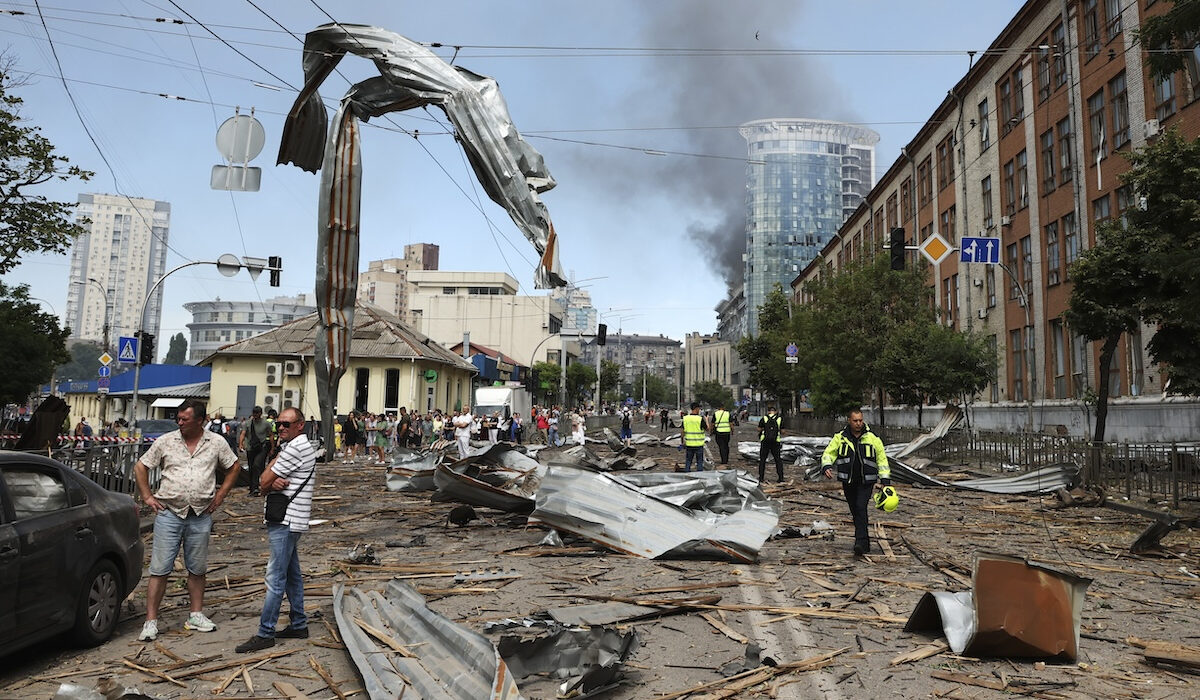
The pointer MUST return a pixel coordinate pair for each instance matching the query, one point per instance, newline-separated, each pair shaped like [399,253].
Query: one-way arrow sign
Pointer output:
[979,250]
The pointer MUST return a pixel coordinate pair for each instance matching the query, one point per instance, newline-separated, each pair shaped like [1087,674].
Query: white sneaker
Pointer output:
[149,631]
[199,623]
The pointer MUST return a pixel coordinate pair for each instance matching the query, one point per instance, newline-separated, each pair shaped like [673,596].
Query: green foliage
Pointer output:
[713,393]
[926,362]
[763,354]
[610,374]
[658,390]
[83,361]
[1168,38]
[31,345]
[580,380]
[545,380]
[177,354]
[30,223]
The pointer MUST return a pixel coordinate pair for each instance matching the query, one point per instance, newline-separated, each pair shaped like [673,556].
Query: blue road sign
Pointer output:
[979,250]
[792,350]
[127,349]
[105,371]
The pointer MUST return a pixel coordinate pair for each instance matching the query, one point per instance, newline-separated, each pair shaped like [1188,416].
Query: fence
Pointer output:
[109,465]
[1153,471]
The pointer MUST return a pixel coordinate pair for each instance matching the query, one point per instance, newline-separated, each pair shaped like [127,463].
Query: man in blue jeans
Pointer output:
[292,473]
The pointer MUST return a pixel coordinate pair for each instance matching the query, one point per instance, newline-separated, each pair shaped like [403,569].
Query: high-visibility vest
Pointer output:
[693,430]
[721,420]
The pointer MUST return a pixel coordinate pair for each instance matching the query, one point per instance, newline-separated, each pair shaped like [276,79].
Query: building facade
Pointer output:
[710,358]
[803,178]
[579,316]
[217,323]
[656,355]
[1025,151]
[114,264]
[731,315]
[385,282]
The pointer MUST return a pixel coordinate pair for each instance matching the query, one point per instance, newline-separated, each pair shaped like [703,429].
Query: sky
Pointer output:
[633,105]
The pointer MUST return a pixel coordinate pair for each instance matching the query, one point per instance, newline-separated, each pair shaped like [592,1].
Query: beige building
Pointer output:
[385,282]
[709,358]
[391,365]
[446,305]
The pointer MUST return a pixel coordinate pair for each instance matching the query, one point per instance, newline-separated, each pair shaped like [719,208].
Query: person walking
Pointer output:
[770,430]
[626,427]
[693,439]
[856,455]
[255,441]
[292,473]
[183,505]
[722,429]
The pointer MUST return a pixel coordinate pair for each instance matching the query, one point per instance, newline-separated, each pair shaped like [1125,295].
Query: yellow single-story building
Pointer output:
[390,366]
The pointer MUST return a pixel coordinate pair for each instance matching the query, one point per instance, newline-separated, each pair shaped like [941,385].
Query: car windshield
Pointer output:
[155,426]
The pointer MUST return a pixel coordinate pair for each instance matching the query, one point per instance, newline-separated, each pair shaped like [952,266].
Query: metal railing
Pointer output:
[109,465]
[1161,472]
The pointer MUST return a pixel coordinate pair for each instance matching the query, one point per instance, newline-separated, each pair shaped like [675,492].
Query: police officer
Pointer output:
[722,429]
[693,438]
[770,429]
[857,455]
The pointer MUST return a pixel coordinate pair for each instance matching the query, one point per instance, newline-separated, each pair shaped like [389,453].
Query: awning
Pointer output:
[167,402]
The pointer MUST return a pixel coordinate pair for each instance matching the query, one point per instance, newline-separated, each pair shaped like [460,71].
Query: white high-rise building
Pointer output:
[114,264]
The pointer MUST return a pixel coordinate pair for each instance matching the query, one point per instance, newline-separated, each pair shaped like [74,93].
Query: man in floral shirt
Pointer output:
[186,497]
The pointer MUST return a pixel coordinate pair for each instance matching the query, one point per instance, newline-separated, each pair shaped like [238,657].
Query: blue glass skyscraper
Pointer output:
[804,178]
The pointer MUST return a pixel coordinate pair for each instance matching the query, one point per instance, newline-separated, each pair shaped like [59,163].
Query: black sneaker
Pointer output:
[255,493]
[255,643]
[292,633]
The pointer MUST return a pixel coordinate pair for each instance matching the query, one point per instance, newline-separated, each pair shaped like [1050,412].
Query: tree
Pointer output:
[545,378]
[924,362]
[29,222]
[712,393]
[31,345]
[1169,38]
[658,390]
[610,374]
[763,354]
[580,380]
[177,354]
[83,361]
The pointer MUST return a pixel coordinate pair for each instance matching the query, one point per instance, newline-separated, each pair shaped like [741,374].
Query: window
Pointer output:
[1006,114]
[1164,97]
[1049,177]
[1011,257]
[1192,59]
[34,492]
[1043,73]
[1124,201]
[1018,365]
[947,301]
[1018,94]
[985,186]
[1053,262]
[1058,46]
[1112,18]
[391,389]
[1120,110]
[905,201]
[1091,28]
[1070,241]
[994,393]
[1101,211]
[1096,122]
[1027,264]
[989,285]
[924,182]
[1022,179]
[1065,169]
[948,225]
[1058,358]
[1010,190]
[449,290]
[945,153]
[892,211]
[985,132]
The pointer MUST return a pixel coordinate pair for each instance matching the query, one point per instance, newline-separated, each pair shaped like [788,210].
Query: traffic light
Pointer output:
[602,334]
[274,262]
[897,248]
[146,348]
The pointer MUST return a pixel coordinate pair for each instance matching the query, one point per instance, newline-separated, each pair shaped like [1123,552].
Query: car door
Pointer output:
[55,541]
[10,570]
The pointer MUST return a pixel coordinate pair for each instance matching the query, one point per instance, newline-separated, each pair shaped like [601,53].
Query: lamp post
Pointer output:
[229,265]
[104,295]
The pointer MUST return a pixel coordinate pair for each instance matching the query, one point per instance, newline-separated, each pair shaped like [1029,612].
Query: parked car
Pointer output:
[70,553]
[152,429]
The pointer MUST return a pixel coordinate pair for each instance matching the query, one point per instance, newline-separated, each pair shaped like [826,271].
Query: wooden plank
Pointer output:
[919,653]
[289,691]
[725,629]
[329,682]
[151,672]
[955,677]
[1172,653]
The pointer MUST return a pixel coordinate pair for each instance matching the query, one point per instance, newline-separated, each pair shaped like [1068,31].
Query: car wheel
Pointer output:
[99,605]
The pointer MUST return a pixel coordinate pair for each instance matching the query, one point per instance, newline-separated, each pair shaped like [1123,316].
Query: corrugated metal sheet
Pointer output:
[501,477]
[620,516]
[448,660]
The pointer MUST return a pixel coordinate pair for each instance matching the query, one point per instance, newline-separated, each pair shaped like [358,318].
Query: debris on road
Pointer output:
[589,659]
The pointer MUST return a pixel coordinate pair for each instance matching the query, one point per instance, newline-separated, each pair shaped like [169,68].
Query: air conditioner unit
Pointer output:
[977,282]
[271,401]
[293,368]
[291,398]
[1150,128]
[1006,221]
[982,314]
[274,374]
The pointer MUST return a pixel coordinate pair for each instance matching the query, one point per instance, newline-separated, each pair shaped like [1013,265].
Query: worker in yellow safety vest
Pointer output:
[722,428]
[693,438]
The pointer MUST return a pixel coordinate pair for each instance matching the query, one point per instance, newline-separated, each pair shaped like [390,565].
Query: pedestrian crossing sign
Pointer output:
[127,349]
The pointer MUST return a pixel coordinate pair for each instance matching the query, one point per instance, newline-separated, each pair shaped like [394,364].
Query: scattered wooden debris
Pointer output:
[923,652]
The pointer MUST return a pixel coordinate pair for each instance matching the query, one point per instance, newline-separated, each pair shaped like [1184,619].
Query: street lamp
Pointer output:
[104,295]
[228,265]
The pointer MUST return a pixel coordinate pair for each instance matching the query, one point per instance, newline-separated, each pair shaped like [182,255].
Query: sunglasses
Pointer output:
[283,423]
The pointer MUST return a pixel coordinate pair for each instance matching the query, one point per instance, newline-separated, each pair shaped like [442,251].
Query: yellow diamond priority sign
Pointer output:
[106,359]
[935,248]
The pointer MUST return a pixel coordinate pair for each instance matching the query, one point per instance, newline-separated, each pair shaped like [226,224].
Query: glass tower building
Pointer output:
[804,178]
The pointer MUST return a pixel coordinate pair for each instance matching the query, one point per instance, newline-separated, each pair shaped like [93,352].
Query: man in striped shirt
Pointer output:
[292,473]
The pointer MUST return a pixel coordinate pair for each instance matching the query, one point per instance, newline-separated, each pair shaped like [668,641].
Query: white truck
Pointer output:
[504,400]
